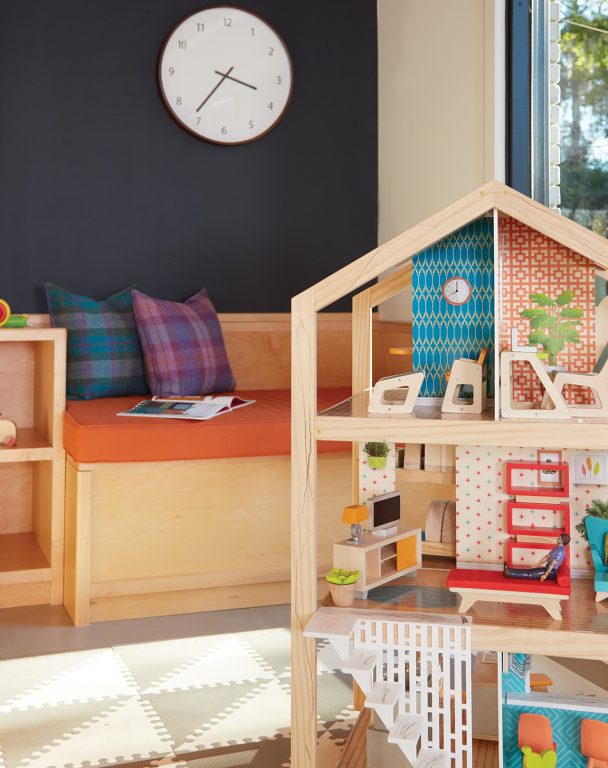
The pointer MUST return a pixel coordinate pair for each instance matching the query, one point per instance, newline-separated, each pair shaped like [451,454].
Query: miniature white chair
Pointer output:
[512,410]
[396,395]
[596,383]
[471,373]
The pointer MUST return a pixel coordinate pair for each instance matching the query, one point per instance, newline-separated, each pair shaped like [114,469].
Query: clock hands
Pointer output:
[213,90]
[229,77]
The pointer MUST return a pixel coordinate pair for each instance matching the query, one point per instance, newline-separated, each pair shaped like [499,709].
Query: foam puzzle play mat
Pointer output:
[208,702]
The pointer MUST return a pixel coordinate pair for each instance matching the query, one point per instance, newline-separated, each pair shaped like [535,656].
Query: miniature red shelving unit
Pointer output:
[562,470]
[544,507]
[532,529]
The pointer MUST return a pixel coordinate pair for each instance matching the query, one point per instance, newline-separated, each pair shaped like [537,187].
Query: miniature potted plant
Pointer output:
[597,508]
[553,323]
[376,454]
[342,586]
[531,759]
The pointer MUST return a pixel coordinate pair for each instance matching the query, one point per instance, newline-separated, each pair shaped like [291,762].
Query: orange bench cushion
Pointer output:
[93,432]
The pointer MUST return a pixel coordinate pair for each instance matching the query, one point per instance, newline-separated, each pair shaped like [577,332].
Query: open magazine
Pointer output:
[198,408]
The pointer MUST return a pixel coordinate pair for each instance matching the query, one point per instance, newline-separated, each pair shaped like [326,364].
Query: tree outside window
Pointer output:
[584,112]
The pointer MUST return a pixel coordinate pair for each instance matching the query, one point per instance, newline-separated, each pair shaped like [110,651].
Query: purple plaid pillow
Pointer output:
[183,346]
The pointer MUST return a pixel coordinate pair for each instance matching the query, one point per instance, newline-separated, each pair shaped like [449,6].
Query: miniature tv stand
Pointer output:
[380,559]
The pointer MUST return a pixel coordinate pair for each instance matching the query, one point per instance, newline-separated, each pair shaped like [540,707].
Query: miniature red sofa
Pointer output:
[476,584]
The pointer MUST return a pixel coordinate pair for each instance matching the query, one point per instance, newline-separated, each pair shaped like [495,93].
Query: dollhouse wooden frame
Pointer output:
[350,421]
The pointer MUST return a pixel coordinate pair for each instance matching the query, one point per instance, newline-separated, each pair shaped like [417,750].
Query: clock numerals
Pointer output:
[171,71]
[178,101]
[224,130]
[271,105]
[182,44]
[200,27]
[251,125]
[252,31]
[227,21]
[270,50]
[279,80]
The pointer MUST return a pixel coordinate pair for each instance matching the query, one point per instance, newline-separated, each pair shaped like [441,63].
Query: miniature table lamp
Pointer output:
[354,516]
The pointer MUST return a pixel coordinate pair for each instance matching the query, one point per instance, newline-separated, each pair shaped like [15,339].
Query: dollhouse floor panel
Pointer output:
[582,633]
[349,420]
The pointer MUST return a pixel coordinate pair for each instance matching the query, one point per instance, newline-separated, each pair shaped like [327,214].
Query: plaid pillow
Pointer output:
[183,345]
[104,353]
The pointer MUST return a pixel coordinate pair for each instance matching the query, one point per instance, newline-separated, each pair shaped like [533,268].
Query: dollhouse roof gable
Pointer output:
[493,196]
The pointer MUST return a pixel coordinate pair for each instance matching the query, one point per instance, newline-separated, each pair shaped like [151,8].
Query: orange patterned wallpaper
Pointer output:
[529,263]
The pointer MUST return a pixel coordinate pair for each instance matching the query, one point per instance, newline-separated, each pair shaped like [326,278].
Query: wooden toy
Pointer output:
[5,312]
[538,254]
[477,585]
[380,560]
[8,432]
[431,723]
[467,373]
[8,319]
[596,383]
[553,407]
[396,395]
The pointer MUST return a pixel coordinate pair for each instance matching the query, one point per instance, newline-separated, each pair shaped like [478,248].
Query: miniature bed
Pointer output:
[166,517]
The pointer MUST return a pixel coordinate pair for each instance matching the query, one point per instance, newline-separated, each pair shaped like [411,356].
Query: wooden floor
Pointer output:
[354,755]
[583,632]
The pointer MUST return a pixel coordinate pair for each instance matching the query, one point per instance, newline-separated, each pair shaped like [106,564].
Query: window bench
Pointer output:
[165,516]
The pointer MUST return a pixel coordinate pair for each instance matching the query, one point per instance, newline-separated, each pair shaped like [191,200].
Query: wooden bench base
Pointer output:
[167,537]
[551,603]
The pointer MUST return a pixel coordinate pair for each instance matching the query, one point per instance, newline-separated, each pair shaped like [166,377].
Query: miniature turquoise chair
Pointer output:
[597,530]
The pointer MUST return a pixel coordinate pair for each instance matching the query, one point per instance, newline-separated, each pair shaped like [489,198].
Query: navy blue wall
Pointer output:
[99,188]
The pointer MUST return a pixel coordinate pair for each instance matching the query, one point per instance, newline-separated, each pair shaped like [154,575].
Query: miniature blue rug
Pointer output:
[414,596]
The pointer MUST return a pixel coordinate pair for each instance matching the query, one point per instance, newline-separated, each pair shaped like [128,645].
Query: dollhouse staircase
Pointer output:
[415,673]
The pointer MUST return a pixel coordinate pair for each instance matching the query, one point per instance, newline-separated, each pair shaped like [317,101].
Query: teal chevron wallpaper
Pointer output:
[442,333]
[566,725]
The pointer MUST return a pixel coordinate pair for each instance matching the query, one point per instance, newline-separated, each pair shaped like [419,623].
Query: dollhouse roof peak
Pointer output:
[492,196]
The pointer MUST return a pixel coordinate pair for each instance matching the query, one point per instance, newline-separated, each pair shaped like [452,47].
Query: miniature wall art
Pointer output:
[590,468]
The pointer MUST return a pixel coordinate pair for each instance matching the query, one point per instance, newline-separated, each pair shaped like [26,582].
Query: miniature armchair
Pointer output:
[596,383]
[535,731]
[467,373]
[597,531]
[594,743]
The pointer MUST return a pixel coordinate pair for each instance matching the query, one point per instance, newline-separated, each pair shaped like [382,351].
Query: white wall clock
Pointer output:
[225,75]
[457,291]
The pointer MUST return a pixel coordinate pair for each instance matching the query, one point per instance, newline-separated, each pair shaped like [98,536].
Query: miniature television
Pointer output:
[384,513]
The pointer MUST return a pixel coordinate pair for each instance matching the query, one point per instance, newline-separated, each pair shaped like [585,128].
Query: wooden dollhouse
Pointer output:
[504,300]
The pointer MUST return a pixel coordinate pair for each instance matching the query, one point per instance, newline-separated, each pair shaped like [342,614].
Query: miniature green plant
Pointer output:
[553,323]
[377,449]
[547,759]
[597,508]
[340,576]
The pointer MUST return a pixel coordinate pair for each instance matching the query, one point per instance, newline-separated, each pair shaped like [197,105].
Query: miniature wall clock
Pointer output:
[456,291]
[225,75]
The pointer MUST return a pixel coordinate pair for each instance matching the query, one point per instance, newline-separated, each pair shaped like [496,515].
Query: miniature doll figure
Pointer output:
[547,567]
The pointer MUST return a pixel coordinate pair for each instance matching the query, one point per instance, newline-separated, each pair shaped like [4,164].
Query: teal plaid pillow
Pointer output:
[104,353]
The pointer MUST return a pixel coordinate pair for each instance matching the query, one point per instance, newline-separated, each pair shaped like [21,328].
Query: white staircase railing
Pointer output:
[415,672]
